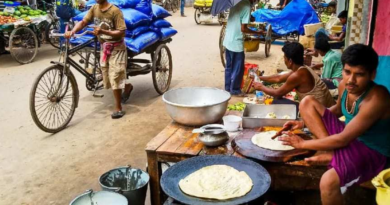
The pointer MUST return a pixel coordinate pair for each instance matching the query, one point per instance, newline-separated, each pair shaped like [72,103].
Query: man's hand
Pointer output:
[292,140]
[97,30]
[257,86]
[295,125]
[68,34]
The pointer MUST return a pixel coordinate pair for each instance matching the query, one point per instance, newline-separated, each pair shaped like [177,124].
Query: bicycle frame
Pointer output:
[75,65]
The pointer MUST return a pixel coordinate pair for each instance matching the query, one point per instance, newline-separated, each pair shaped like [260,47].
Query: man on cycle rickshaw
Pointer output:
[110,29]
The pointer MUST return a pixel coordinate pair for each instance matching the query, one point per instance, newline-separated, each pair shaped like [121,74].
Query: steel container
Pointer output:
[130,182]
[100,197]
[254,115]
[196,106]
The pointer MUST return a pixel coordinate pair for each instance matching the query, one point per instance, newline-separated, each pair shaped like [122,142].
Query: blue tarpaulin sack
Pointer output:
[145,6]
[141,42]
[161,23]
[64,9]
[165,33]
[119,3]
[134,18]
[83,39]
[137,31]
[80,17]
[292,18]
[159,12]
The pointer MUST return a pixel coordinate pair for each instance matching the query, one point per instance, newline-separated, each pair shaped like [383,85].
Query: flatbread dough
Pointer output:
[286,117]
[271,115]
[263,140]
[217,182]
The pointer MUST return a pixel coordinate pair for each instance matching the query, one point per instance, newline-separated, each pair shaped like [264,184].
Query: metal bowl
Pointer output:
[196,106]
[214,139]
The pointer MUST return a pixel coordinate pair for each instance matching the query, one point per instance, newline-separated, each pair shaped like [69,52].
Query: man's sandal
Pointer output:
[117,114]
[126,96]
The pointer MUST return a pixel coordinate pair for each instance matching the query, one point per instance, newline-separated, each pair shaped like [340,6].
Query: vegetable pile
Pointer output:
[23,12]
[237,107]
[6,20]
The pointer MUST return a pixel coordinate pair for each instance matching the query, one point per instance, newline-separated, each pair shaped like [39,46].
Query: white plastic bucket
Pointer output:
[232,123]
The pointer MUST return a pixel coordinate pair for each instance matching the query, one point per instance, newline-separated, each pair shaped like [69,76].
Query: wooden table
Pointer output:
[177,142]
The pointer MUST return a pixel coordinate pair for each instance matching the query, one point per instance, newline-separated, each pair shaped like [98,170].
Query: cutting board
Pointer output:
[242,144]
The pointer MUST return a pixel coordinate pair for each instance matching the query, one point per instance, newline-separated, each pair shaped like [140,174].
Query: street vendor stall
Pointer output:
[179,142]
[22,28]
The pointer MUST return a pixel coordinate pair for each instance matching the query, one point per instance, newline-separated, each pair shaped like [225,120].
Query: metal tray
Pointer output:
[253,116]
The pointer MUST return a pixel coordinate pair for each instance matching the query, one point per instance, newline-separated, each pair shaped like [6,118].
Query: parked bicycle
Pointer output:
[54,96]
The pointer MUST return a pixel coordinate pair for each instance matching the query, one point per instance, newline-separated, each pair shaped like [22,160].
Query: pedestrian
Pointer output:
[237,25]
[182,4]
[66,9]
[110,29]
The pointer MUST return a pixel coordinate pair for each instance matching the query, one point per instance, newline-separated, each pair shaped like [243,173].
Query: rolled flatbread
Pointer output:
[219,182]
[263,140]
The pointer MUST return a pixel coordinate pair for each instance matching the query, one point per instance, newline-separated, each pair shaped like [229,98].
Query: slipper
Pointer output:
[125,97]
[117,114]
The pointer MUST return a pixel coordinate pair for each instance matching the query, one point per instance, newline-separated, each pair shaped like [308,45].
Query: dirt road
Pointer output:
[39,168]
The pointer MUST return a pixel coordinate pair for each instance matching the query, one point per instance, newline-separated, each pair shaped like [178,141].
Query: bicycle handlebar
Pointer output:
[62,34]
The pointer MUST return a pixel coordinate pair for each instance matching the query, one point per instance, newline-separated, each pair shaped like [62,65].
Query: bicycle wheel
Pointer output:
[197,16]
[53,99]
[222,48]
[55,27]
[162,69]
[23,45]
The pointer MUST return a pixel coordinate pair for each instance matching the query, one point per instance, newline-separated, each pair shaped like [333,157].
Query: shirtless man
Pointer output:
[359,148]
[301,78]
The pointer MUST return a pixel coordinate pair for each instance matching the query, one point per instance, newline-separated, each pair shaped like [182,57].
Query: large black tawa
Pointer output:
[170,179]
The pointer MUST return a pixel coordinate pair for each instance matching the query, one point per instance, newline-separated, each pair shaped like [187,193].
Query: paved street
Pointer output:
[40,168]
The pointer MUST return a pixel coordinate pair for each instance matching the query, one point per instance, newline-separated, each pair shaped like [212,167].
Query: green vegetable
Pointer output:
[17,13]
[238,106]
[1,13]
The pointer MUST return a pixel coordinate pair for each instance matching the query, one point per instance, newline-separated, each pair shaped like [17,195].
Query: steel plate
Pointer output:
[170,179]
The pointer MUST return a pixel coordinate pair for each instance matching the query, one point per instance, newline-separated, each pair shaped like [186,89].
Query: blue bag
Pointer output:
[119,3]
[65,9]
[292,18]
[80,17]
[80,40]
[165,33]
[134,18]
[159,12]
[141,42]
[161,23]
[137,31]
[145,6]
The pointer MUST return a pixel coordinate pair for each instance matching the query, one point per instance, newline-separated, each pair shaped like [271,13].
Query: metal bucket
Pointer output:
[130,182]
[100,197]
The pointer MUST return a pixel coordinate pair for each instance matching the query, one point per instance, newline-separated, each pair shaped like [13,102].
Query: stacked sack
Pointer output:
[145,23]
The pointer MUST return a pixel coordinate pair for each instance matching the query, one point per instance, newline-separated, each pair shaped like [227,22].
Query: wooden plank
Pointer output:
[175,141]
[190,147]
[163,136]
[154,170]
[173,157]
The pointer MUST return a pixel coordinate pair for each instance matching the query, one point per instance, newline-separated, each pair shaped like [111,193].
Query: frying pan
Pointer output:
[170,179]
